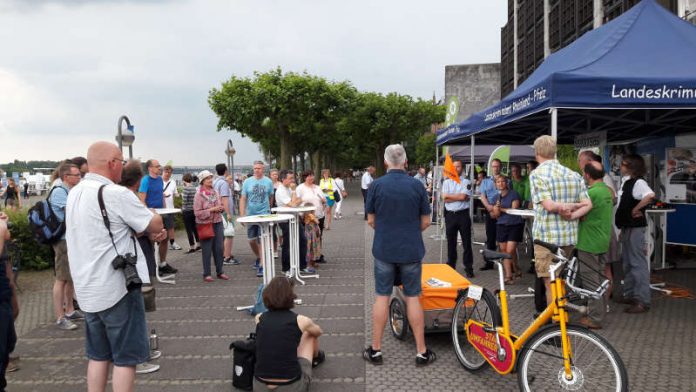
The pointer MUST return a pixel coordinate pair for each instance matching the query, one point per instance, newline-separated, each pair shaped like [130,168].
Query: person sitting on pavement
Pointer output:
[398,210]
[287,344]
[63,291]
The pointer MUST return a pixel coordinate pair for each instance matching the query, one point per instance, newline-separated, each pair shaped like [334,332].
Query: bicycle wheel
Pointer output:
[485,311]
[596,366]
[397,318]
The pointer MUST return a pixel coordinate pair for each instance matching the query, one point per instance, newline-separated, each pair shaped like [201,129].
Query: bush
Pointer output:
[35,256]
[178,218]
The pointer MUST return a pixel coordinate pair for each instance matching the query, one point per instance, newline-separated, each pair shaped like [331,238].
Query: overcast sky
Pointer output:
[70,68]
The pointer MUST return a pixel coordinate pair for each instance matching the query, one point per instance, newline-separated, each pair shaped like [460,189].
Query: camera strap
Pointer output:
[107,223]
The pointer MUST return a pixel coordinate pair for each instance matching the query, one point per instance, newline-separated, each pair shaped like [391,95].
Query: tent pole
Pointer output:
[472,178]
[554,124]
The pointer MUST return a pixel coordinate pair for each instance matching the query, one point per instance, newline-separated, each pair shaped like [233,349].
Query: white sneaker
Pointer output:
[155,354]
[145,368]
[65,324]
[275,254]
[174,246]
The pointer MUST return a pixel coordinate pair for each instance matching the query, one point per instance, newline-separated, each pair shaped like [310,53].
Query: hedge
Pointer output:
[35,256]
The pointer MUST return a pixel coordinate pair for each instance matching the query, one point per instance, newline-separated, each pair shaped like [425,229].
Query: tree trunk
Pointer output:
[379,160]
[302,161]
[316,163]
[285,149]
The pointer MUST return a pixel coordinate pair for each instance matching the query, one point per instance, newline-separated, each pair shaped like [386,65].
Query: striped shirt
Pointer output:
[187,198]
[553,181]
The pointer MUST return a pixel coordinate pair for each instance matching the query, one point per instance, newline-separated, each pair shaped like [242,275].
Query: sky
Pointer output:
[70,68]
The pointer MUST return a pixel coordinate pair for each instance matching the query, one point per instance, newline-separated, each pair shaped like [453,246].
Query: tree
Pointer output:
[425,149]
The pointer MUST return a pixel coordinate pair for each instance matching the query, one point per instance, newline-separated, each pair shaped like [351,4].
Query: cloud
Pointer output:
[32,5]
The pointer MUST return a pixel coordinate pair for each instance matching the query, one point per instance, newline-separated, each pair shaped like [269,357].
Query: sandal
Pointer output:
[509,280]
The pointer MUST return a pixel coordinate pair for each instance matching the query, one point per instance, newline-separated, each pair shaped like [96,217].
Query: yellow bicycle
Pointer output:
[558,356]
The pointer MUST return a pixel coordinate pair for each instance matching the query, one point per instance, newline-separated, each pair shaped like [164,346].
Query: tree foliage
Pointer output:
[331,123]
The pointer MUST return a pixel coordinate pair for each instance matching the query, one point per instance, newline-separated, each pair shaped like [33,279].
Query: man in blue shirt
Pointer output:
[63,291]
[488,192]
[457,219]
[256,200]
[398,210]
[151,193]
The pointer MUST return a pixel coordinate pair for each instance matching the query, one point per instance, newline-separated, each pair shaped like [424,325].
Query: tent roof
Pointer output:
[644,59]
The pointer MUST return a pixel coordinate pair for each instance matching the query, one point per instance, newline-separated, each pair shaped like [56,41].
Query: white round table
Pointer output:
[169,279]
[520,212]
[658,216]
[266,223]
[295,240]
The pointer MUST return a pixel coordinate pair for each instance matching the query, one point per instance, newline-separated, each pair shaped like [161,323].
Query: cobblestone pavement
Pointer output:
[197,321]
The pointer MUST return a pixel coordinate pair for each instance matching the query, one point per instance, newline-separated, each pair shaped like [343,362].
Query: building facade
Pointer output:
[537,28]
[477,86]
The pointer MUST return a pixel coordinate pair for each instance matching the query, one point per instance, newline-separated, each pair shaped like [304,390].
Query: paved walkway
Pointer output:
[197,321]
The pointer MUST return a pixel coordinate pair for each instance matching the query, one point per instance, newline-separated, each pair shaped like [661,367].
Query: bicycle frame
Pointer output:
[505,340]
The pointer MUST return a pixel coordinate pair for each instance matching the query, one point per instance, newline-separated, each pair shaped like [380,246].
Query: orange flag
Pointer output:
[449,171]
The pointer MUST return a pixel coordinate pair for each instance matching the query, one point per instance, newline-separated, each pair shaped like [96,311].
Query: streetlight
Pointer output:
[230,156]
[125,138]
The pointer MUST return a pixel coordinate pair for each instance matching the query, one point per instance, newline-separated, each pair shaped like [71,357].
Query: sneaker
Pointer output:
[469,273]
[637,308]
[288,274]
[167,269]
[208,279]
[425,358]
[275,254]
[66,324]
[308,270]
[145,368]
[174,246]
[319,359]
[155,354]
[75,315]
[191,250]
[321,260]
[259,272]
[230,261]
[372,356]
[257,264]
[223,277]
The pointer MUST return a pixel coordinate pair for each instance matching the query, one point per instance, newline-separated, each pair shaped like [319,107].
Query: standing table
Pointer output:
[169,279]
[295,240]
[658,216]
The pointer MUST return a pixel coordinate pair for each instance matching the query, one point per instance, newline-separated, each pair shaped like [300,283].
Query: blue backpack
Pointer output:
[43,222]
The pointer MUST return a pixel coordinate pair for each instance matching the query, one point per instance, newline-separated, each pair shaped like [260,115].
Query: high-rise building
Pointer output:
[537,28]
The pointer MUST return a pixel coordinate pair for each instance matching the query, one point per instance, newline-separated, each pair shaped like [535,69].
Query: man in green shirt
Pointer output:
[594,235]
[520,183]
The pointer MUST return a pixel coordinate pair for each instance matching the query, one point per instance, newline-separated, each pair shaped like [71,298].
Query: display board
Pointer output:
[681,175]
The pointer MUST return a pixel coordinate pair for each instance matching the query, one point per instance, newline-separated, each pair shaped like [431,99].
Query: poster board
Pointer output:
[681,175]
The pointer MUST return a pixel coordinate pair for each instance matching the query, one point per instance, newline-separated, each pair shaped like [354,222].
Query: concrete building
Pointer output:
[537,28]
[477,86]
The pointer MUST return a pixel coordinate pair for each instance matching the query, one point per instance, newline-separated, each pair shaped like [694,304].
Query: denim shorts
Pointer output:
[254,232]
[119,334]
[409,275]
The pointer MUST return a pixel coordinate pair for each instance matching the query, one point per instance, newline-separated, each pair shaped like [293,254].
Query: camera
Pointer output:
[127,264]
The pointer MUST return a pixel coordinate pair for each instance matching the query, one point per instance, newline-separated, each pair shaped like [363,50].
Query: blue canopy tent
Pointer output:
[634,77]
[641,65]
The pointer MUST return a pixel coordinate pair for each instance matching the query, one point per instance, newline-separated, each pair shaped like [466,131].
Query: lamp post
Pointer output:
[125,138]
[230,151]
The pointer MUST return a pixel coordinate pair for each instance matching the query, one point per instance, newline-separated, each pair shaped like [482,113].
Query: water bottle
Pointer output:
[154,340]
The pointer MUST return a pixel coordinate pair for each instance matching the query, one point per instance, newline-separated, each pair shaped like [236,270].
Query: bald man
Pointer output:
[115,327]
[594,236]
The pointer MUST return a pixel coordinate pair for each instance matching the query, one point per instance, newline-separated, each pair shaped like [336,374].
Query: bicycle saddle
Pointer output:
[492,255]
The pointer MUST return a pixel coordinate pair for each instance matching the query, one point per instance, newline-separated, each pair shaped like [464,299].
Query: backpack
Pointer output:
[44,223]
[258,307]
[244,360]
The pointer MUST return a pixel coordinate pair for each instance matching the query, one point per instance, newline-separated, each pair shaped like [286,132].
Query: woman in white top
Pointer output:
[342,190]
[310,193]
[328,186]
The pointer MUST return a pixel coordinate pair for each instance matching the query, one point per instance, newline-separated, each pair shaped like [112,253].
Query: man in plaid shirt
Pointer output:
[560,198]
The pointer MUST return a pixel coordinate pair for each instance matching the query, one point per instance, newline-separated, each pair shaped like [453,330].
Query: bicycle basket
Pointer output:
[585,280]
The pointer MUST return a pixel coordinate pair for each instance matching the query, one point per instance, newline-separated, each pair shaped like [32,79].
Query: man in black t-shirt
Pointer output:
[9,308]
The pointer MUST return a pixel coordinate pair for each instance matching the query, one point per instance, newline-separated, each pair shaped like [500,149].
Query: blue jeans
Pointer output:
[213,246]
[119,334]
[387,275]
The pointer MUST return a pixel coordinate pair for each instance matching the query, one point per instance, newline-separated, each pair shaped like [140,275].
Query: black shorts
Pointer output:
[505,233]
[168,221]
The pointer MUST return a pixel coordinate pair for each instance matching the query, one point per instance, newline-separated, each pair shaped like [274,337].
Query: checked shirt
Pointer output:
[553,181]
